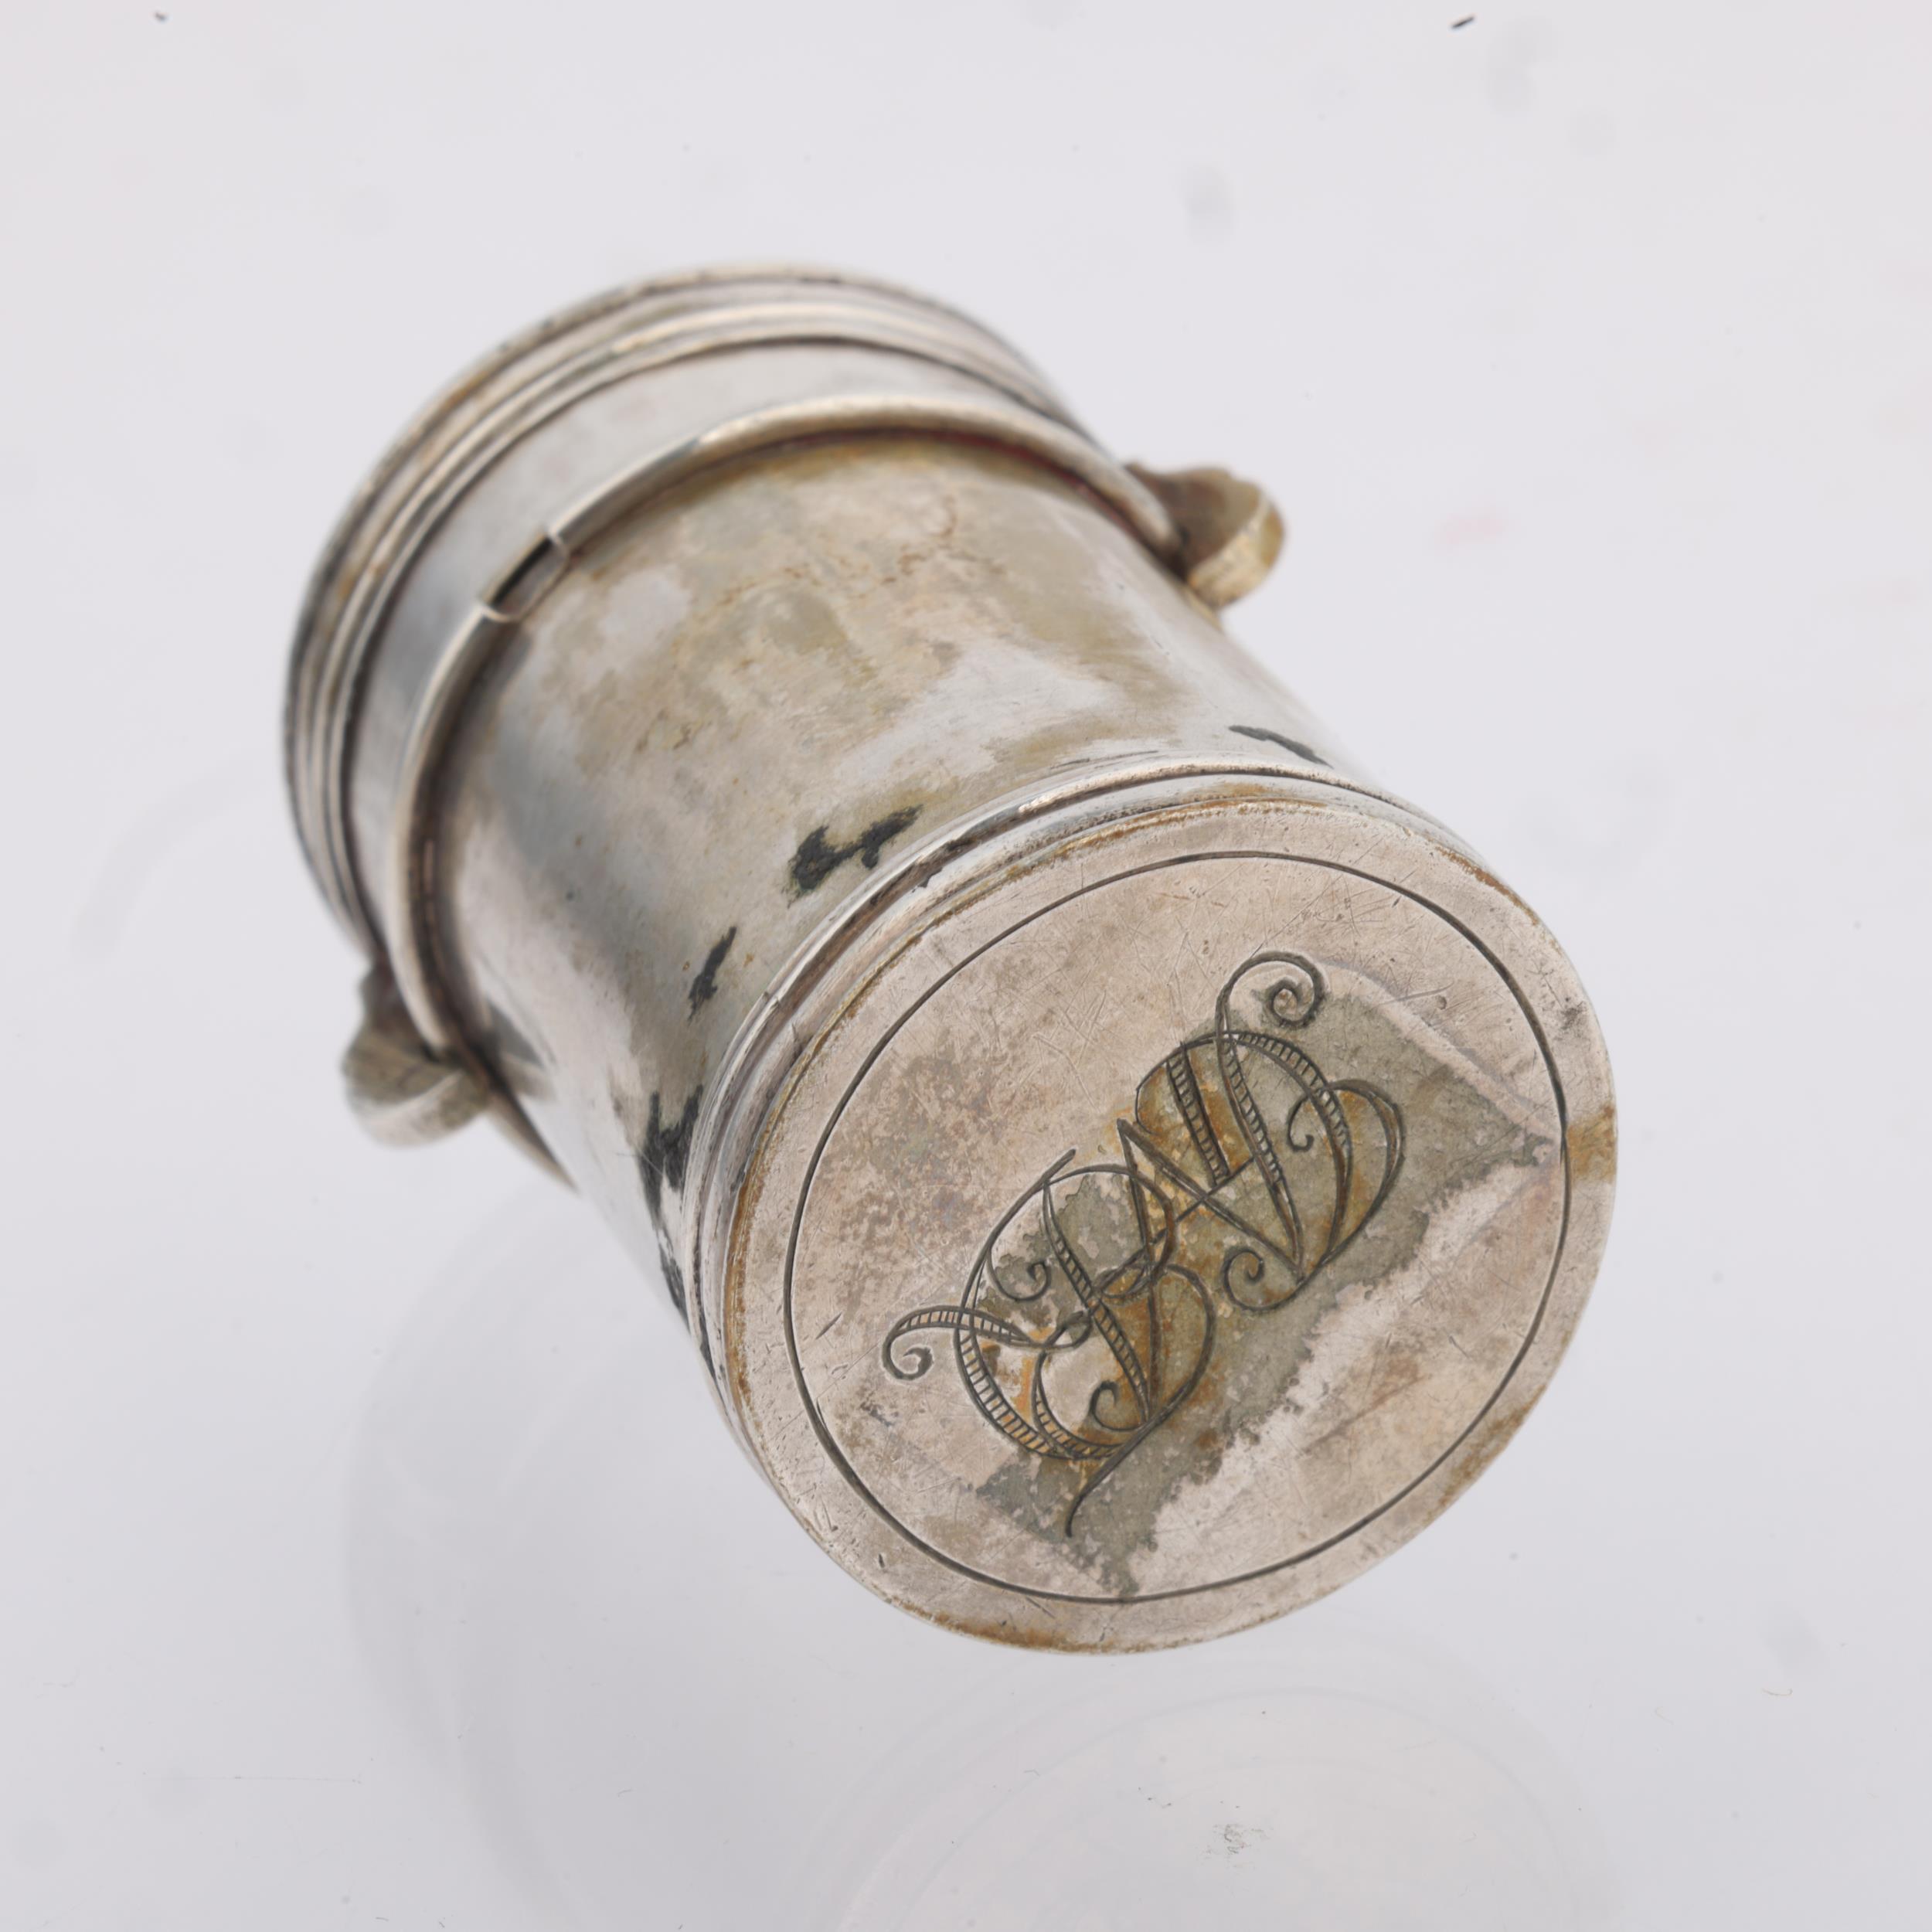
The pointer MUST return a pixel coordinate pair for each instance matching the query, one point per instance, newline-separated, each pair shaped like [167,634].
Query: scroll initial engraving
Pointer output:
[1087,1319]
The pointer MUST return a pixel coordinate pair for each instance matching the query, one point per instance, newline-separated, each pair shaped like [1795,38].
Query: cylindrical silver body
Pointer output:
[1121,1172]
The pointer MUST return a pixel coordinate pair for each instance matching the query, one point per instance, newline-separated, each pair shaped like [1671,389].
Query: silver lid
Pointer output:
[552,370]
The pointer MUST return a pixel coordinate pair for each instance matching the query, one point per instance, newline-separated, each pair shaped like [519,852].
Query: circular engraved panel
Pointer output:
[1180,1229]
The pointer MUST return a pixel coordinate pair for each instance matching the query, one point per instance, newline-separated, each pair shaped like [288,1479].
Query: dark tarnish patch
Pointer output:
[704,1335]
[1275,738]
[706,983]
[674,1281]
[1258,1358]
[818,857]
[662,1159]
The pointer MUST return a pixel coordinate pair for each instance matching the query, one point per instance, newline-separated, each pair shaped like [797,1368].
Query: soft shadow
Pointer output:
[666,1708]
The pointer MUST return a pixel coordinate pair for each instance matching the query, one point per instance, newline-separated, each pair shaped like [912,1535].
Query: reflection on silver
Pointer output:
[1207,1191]
[793,776]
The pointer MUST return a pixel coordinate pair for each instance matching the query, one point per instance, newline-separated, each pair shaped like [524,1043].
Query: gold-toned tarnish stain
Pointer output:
[1254,1192]
[1122,1173]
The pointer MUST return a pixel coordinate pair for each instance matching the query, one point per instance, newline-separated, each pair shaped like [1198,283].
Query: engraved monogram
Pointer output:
[1087,1320]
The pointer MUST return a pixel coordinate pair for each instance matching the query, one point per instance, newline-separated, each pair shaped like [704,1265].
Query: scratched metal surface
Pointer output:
[749,706]
[866,869]
[372,1558]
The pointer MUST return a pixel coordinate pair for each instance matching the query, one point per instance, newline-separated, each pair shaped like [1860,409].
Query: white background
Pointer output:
[369,1552]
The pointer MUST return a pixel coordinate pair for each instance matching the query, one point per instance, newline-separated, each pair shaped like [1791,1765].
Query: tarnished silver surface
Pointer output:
[1122,1173]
